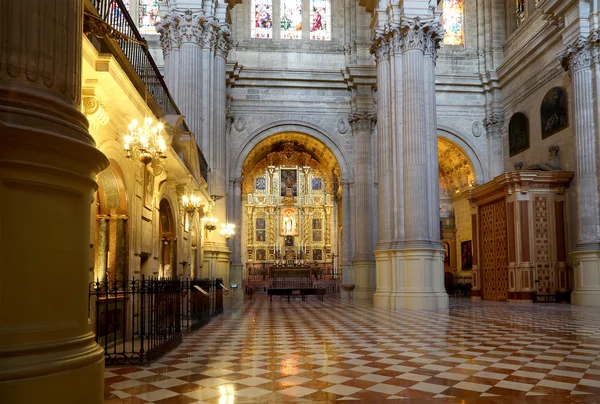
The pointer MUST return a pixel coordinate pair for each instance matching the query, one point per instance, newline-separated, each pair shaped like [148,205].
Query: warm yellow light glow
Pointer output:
[144,141]
[227,392]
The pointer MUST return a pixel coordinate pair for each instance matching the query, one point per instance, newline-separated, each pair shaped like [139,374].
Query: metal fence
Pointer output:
[139,320]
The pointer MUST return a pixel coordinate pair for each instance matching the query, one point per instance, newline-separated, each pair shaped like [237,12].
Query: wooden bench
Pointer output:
[302,292]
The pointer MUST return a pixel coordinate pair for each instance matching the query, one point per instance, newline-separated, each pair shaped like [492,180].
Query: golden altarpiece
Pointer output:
[288,200]
[519,237]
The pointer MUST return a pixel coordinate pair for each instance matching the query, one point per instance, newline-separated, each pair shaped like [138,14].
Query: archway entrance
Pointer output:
[456,174]
[291,212]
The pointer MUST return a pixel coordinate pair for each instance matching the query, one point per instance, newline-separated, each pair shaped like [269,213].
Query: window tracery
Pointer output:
[148,16]
[291,19]
[452,20]
[262,15]
[320,20]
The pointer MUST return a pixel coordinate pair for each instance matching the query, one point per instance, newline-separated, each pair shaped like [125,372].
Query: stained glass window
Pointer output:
[452,20]
[320,20]
[291,19]
[262,26]
[149,16]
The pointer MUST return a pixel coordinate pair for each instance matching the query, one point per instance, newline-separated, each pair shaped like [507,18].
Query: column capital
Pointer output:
[493,125]
[209,34]
[577,56]
[380,47]
[421,34]
[362,122]
[189,26]
[223,45]
[169,36]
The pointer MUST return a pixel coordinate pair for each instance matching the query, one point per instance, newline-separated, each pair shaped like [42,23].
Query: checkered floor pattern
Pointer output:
[343,350]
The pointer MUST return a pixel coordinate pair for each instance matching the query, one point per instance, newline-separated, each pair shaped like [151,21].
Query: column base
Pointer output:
[69,376]
[364,275]
[587,278]
[383,277]
[417,276]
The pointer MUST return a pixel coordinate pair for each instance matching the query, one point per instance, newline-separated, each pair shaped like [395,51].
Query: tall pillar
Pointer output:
[235,202]
[586,255]
[363,262]
[48,163]
[188,62]
[121,248]
[385,226]
[409,256]
[170,41]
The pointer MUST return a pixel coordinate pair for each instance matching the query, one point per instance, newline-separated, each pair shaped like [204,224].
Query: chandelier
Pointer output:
[210,223]
[191,204]
[227,230]
[145,141]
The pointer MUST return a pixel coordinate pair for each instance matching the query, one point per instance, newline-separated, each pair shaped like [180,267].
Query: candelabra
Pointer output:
[227,230]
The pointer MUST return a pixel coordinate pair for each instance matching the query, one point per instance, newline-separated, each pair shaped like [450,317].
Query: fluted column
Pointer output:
[48,163]
[578,60]
[208,37]
[235,202]
[363,262]
[185,68]
[170,42]
[385,186]
[493,129]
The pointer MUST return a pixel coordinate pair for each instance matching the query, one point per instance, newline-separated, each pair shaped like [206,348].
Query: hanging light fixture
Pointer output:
[210,223]
[191,204]
[227,230]
[145,141]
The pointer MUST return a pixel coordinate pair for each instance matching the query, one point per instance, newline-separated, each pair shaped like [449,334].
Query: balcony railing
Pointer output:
[131,50]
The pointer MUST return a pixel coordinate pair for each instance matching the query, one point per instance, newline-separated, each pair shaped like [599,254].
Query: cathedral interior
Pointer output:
[272,201]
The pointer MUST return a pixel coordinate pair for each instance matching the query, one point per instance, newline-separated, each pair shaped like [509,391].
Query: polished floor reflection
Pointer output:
[340,350]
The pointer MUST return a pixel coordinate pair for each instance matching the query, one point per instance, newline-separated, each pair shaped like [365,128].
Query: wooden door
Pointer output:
[494,251]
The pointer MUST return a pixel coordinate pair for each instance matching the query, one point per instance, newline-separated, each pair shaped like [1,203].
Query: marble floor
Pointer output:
[348,351]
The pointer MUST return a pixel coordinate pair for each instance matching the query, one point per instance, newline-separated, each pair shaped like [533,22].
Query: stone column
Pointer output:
[363,262]
[170,41]
[380,49]
[235,202]
[48,163]
[206,143]
[188,34]
[493,129]
[101,257]
[586,256]
[476,289]
[121,248]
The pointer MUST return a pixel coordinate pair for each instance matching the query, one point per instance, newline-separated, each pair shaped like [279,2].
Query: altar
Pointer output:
[260,277]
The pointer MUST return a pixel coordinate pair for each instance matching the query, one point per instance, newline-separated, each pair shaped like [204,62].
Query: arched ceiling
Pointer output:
[455,168]
[295,149]
[307,145]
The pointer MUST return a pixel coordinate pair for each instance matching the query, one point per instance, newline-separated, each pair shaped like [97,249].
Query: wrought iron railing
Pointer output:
[134,48]
[139,320]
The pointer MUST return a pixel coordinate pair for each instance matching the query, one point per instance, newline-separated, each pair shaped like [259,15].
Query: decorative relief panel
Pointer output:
[545,272]
[494,251]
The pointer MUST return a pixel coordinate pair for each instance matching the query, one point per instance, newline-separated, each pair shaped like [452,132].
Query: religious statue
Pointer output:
[288,223]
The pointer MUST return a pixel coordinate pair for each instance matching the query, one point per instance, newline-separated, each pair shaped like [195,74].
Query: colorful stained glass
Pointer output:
[452,19]
[149,16]
[291,19]
[262,13]
[320,20]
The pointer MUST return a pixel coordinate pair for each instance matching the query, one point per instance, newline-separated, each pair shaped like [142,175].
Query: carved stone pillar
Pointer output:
[411,274]
[363,262]
[48,163]
[385,186]
[236,207]
[187,33]
[578,60]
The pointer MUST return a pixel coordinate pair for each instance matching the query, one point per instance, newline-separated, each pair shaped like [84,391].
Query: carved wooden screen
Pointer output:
[494,251]
[545,273]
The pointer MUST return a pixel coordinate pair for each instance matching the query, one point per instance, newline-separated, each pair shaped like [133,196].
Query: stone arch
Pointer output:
[468,148]
[167,237]
[305,128]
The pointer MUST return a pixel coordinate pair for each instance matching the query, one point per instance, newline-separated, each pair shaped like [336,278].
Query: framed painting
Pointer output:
[466,255]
